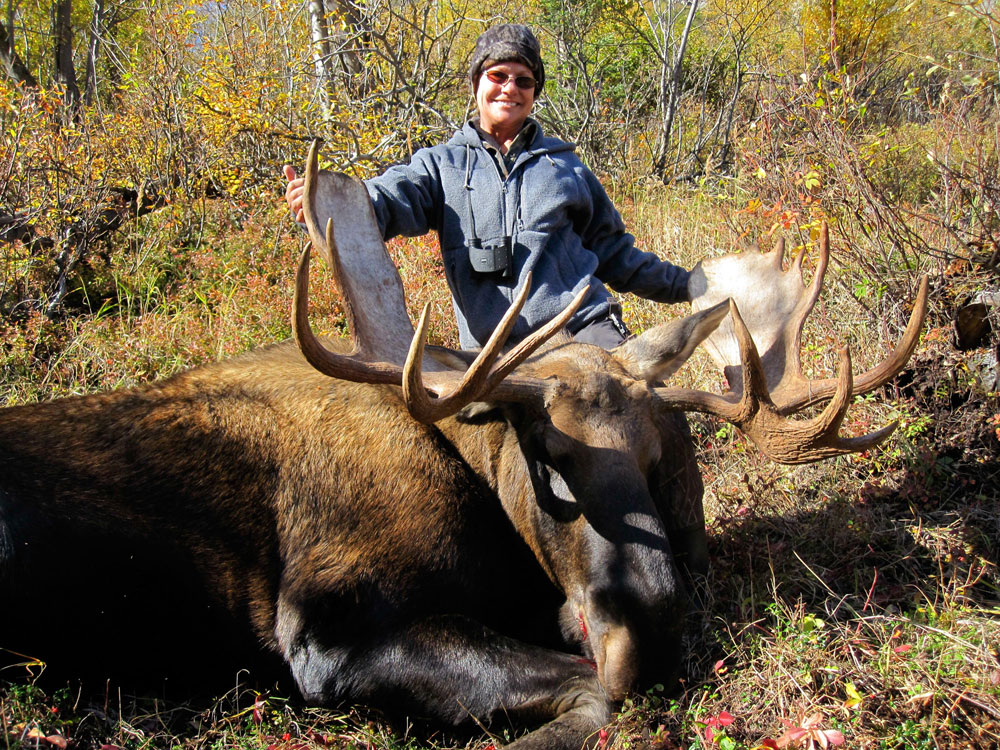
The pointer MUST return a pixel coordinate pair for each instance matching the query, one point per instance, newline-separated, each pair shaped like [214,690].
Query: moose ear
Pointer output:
[659,352]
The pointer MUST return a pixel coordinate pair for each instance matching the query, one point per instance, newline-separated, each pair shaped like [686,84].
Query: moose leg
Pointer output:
[457,671]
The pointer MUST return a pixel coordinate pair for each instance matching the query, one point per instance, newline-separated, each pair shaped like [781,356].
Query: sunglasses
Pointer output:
[500,79]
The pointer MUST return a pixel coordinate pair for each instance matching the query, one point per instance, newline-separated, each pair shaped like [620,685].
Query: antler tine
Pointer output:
[834,413]
[732,407]
[528,346]
[419,403]
[330,363]
[482,377]
[327,244]
[793,343]
[816,391]
[322,240]
[779,253]
[754,380]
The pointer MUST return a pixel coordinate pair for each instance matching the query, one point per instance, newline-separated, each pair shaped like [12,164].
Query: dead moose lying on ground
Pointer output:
[441,534]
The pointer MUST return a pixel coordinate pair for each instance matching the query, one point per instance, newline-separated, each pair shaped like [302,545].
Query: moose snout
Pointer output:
[634,631]
[630,658]
[617,660]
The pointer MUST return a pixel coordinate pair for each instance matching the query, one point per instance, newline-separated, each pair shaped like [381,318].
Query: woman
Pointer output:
[507,200]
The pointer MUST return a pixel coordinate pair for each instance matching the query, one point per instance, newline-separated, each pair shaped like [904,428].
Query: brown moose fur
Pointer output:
[255,508]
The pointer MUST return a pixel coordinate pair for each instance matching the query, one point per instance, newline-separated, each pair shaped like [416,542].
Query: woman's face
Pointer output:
[503,107]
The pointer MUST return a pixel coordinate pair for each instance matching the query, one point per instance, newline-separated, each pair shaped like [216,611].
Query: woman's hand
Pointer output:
[295,193]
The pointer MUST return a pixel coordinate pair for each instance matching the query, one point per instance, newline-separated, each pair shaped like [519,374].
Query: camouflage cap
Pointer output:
[507,42]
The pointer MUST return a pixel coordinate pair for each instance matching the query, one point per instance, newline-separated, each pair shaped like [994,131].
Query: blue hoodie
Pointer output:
[565,231]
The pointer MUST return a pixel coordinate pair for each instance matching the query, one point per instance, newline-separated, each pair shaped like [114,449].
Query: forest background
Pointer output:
[142,230]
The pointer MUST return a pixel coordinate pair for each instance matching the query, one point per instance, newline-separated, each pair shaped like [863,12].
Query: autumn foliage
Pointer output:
[142,230]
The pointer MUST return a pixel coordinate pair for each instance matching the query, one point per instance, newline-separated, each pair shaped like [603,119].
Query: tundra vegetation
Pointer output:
[143,231]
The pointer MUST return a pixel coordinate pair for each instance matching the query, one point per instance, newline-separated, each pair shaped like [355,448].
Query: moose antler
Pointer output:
[765,389]
[754,412]
[775,305]
[386,349]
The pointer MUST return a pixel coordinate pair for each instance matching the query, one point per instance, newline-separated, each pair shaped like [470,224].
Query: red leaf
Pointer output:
[319,739]
[725,719]
[835,737]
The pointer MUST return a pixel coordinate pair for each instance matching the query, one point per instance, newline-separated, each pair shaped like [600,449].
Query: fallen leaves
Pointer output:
[809,734]
[713,727]
[31,733]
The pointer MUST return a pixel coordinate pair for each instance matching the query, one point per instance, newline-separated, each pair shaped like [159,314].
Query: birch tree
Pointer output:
[662,19]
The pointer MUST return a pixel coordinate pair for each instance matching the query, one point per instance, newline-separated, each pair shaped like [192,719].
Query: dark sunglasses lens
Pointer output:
[500,79]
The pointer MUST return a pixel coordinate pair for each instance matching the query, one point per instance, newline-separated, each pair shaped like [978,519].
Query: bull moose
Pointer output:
[464,537]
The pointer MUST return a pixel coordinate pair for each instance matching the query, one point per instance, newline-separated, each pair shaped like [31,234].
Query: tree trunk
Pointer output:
[14,66]
[670,90]
[93,51]
[346,40]
[62,34]
[322,58]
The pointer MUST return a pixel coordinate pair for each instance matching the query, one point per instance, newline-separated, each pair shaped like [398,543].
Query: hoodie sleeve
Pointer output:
[407,197]
[621,264]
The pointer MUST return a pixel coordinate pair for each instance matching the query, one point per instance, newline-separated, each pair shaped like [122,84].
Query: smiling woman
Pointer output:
[505,95]
[512,207]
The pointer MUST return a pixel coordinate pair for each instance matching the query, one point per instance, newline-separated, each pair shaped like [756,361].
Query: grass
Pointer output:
[860,595]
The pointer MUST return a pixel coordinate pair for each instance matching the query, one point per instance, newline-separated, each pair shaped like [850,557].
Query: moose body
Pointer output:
[386,561]
[461,537]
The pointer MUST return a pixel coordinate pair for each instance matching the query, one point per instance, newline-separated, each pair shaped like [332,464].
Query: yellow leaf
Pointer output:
[854,698]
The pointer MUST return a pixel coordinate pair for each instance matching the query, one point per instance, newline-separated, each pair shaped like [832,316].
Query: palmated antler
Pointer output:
[765,389]
[754,412]
[386,349]
[775,304]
